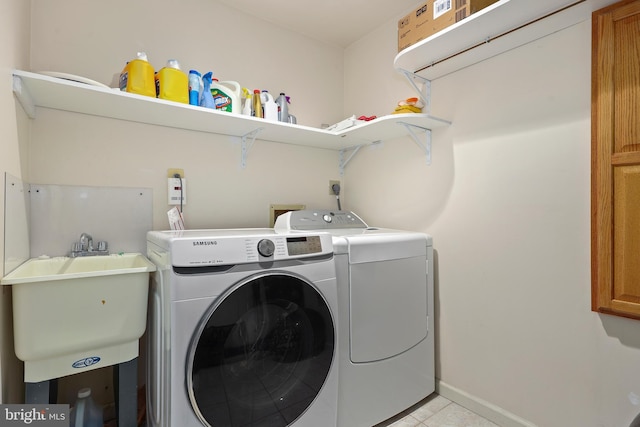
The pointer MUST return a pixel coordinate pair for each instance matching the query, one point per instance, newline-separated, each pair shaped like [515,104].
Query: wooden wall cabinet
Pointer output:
[615,160]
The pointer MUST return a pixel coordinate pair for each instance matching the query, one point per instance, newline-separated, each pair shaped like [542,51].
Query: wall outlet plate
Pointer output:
[177,188]
[331,187]
[171,173]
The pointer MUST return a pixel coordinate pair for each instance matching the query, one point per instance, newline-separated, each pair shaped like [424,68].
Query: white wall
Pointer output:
[96,151]
[507,201]
[14,53]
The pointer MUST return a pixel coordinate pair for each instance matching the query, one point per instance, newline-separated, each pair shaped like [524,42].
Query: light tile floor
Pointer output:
[436,411]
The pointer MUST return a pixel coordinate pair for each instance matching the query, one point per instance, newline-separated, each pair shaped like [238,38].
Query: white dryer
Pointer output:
[242,329]
[385,300]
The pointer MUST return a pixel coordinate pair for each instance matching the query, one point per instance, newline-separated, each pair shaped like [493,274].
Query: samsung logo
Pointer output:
[205,243]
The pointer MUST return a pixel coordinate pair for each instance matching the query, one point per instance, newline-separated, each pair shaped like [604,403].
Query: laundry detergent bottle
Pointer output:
[137,77]
[172,83]
[269,106]
[227,96]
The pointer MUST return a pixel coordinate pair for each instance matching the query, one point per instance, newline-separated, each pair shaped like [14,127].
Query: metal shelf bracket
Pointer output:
[426,145]
[24,97]
[246,145]
[346,154]
[424,92]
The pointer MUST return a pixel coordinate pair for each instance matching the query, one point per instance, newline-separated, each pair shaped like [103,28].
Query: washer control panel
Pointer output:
[318,220]
[296,246]
[201,248]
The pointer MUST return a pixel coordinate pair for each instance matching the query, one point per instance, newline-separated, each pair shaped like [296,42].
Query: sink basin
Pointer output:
[77,314]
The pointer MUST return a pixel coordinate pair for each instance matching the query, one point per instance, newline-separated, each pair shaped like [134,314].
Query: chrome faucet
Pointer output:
[86,242]
[84,247]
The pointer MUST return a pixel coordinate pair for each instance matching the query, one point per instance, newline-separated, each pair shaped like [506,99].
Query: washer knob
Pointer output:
[327,218]
[266,248]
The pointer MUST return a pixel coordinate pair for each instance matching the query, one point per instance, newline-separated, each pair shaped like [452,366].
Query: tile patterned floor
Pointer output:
[436,411]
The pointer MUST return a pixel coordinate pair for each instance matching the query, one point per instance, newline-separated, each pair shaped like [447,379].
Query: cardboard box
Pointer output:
[413,27]
[434,16]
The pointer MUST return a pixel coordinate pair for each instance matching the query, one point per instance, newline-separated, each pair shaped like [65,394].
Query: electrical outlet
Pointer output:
[331,183]
[177,188]
[171,173]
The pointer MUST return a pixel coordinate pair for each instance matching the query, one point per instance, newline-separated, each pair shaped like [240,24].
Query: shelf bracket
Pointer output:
[246,145]
[24,97]
[426,145]
[424,92]
[345,156]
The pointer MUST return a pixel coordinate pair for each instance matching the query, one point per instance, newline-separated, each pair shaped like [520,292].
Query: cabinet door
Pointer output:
[615,195]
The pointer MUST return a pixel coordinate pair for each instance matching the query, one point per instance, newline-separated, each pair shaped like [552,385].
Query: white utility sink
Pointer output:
[76,314]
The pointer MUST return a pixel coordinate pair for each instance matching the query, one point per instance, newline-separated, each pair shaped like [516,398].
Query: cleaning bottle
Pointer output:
[137,76]
[256,104]
[85,412]
[269,106]
[195,87]
[172,83]
[246,102]
[227,96]
[283,108]
[207,99]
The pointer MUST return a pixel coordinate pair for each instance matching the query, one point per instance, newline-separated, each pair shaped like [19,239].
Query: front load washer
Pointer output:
[242,329]
[385,300]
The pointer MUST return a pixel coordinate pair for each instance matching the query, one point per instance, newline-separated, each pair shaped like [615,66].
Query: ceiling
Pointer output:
[338,22]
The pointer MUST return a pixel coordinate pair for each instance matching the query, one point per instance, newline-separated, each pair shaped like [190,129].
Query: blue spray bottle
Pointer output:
[207,99]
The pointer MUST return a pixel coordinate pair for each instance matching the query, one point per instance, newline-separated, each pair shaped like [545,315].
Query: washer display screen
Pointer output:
[304,245]
[262,354]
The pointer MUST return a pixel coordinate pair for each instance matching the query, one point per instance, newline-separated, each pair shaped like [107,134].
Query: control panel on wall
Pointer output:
[176,188]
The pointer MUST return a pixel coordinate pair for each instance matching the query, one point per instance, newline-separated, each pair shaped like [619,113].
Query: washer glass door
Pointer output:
[261,353]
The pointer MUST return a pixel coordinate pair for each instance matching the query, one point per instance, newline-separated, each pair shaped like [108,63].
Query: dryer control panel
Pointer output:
[318,220]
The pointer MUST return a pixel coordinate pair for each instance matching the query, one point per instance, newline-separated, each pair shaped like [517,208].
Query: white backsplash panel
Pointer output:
[60,213]
[16,222]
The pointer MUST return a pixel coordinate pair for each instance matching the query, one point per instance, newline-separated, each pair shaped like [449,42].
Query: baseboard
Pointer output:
[483,408]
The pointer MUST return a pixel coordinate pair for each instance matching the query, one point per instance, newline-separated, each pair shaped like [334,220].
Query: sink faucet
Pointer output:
[84,247]
[86,242]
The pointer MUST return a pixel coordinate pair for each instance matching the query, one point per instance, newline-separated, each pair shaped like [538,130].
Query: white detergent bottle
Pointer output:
[227,96]
[269,106]
[85,412]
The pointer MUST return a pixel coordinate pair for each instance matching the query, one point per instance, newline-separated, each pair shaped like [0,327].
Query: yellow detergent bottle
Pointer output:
[172,83]
[137,76]
[227,96]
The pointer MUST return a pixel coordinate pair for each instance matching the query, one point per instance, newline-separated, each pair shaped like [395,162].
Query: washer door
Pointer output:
[261,354]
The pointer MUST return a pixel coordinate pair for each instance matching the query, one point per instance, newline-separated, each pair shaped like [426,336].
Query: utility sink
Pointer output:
[76,314]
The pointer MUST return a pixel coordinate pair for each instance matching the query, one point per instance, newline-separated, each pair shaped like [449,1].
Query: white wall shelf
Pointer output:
[38,90]
[498,28]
